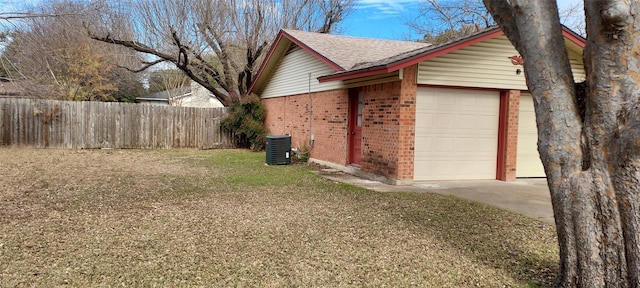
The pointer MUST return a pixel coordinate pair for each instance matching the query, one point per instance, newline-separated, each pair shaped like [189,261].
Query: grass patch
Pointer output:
[223,218]
[249,168]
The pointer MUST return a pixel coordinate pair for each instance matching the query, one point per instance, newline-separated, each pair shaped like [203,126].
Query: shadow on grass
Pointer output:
[524,248]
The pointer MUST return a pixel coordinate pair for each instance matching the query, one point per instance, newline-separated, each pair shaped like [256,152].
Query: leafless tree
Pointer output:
[442,20]
[217,43]
[165,79]
[588,139]
[172,79]
[572,16]
[53,57]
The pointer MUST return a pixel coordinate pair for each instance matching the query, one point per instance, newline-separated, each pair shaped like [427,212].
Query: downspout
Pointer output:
[312,140]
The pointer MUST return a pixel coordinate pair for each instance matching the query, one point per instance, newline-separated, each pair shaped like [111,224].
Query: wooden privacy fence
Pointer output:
[64,124]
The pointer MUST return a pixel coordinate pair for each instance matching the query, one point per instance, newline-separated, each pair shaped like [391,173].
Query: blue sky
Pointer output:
[384,19]
[16,5]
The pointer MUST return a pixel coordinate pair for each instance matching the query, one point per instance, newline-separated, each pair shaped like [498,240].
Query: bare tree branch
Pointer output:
[57,60]
[503,12]
[442,20]
[29,15]
[146,66]
[137,46]
[219,44]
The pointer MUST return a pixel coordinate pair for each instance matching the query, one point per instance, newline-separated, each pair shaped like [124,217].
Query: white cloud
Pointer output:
[386,8]
[12,6]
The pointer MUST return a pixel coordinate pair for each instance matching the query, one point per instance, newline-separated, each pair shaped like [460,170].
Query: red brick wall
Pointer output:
[408,120]
[291,115]
[381,129]
[388,127]
[512,135]
[387,130]
[509,135]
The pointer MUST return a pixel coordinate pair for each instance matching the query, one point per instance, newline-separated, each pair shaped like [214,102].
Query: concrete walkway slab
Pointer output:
[529,197]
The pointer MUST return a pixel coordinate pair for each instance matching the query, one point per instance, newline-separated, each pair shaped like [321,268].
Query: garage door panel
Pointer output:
[473,145]
[466,101]
[444,121]
[456,134]
[443,145]
[459,145]
[443,102]
[485,121]
[528,162]
[486,145]
[446,169]
[427,122]
[467,121]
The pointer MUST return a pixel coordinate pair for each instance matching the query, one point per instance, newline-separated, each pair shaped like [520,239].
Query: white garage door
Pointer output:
[456,134]
[528,162]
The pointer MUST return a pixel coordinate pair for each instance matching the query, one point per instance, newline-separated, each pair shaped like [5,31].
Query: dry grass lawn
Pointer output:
[222,218]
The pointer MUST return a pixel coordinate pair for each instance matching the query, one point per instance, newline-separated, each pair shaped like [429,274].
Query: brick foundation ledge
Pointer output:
[362,174]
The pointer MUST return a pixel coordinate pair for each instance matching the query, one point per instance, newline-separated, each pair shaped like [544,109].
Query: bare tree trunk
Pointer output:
[592,162]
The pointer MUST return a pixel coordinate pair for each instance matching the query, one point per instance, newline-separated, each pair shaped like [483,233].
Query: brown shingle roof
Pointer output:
[348,52]
[427,49]
[415,54]
[352,57]
[430,49]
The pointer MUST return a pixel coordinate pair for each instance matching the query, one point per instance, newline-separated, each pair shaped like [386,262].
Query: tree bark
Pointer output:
[591,159]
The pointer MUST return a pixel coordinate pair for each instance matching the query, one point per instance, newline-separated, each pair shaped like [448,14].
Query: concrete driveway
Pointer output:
[525,196]
[529,197]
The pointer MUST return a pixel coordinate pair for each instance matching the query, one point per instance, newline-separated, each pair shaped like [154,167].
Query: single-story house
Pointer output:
[404,112]
[193,95]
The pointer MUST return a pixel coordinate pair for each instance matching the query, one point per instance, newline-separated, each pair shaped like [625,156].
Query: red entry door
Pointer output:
[355,125]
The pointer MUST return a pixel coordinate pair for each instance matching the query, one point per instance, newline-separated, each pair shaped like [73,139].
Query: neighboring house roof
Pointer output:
[173,93]
[352,57]
[10,88]
[165,94]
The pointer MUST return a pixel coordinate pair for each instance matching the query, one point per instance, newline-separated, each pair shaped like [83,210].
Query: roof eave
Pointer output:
[10,93]
[402,63]
[152,99]
[573,37]
[369,71]
[412,60]
[283,34]
[265,62]
[313,52]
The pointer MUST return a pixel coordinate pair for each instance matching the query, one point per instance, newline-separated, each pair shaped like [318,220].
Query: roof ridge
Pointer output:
[354,37]
[349,51]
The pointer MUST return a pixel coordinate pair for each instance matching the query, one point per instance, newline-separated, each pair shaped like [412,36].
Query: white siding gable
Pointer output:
[483,65]
[292,77]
